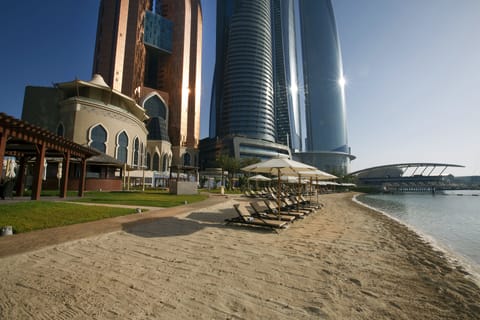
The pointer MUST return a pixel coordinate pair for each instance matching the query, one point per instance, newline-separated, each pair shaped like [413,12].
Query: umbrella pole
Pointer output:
[299,191]
[316,189]
[278,194]
[311,189]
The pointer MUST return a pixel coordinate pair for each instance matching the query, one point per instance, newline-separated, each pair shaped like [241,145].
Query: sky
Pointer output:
[412,69]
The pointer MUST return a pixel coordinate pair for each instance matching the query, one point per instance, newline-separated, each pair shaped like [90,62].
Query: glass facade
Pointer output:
[158,31]
[323,89]
[279,78]
[322,71]
[242,95]
[288,113]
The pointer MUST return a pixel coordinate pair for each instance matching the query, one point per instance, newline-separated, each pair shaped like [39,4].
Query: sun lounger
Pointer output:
[273,207]
[310,203]
[244,217]
[262,211]
[295,207]
[301,204]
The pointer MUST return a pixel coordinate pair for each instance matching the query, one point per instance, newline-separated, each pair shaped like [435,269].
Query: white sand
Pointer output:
[344,262]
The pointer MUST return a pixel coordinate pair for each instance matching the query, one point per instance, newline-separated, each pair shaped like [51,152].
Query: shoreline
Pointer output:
[453,257]
[343,262]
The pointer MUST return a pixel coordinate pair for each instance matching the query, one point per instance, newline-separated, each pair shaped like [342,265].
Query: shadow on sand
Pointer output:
[173,226]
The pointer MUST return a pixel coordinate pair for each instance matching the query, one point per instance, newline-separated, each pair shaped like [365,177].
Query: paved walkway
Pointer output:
[29,241]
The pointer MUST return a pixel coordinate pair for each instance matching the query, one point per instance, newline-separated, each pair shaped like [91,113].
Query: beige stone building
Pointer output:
[92,114]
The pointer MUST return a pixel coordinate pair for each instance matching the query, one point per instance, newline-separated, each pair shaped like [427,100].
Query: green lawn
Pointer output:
[134,198]
[35,215]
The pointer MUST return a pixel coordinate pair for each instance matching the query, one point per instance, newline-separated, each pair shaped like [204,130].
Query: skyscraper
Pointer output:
[288,114]
[243,74]
[279,80]
[242,106]
[326,143]
[149,48]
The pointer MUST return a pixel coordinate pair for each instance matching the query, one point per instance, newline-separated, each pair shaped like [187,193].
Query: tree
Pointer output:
[233,165]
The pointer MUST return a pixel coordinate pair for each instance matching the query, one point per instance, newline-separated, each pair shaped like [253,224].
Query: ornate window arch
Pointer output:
[122,146]
[156,162]
[155,106]
[136,151]
[98,136]
[165,159]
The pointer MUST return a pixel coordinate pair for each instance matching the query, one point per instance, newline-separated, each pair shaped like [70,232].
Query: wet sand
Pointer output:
[343,262]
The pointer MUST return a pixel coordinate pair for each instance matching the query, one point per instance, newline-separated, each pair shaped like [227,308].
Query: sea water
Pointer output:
[450,218]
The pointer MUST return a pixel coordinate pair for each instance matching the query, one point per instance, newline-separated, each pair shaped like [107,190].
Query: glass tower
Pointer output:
[326,144]
[279,79]
[242,94]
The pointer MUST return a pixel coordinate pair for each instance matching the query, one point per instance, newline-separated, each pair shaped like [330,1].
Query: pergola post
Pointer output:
[65,173]
[83,174]
[3,146]
[21,177]
[38,172]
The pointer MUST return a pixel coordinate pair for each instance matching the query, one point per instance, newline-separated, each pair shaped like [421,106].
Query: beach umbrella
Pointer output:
[259,177]
[318,175]
[279,167]
[293,179]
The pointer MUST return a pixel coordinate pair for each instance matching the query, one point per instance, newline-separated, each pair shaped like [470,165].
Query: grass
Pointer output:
[36,215]
[217,191]
[134,198]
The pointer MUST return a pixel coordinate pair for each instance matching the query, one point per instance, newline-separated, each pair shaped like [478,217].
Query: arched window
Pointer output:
[98,138]
[60,130]
[136,146]
[186,159]
[122,147]
[165,163]
[155,107]
[156,161]
[148,161]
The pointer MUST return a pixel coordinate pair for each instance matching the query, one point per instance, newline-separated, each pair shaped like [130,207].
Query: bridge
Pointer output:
[408,177]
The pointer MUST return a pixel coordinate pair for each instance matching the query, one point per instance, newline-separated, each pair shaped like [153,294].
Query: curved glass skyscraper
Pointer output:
[242,114]
[279,79]
[243,80]
[326,143]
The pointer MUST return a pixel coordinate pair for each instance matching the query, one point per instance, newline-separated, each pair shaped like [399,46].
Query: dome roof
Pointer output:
[98,80]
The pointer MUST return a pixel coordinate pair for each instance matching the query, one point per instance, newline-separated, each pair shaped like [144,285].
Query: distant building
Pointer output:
[153,46]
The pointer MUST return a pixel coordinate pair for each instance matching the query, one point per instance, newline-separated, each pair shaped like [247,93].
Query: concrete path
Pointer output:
[23,242]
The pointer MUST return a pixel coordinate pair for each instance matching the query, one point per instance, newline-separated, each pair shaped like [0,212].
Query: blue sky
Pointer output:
[412,70]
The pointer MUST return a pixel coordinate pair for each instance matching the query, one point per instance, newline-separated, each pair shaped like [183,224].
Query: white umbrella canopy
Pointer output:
[279,167]
[318,174]
[259,177]
[292,179]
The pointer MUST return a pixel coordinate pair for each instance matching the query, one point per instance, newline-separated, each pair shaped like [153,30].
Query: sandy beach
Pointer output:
[343,262]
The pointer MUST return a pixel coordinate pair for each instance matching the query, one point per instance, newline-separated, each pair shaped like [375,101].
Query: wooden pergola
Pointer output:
[26,142]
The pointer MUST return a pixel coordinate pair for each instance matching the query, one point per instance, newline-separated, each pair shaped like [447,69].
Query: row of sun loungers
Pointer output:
[265,213]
